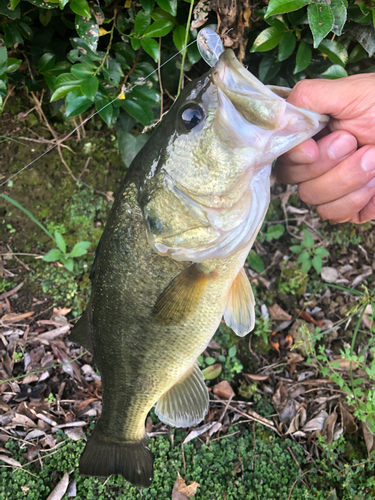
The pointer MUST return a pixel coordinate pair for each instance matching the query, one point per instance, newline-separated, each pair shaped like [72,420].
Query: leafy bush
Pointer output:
[86,54]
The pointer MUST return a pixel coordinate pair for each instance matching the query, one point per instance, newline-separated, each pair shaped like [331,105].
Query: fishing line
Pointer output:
[96,112]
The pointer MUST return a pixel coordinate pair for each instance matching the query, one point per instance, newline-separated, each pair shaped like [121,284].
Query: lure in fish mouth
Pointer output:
[170,261]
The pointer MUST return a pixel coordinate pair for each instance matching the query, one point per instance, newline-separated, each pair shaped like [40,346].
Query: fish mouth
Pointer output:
[255,102]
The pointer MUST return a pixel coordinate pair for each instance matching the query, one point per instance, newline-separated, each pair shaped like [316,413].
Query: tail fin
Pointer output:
[103,457]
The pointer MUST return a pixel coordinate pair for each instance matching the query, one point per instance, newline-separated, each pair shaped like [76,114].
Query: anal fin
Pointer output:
[186,403]
[81,333]
[182,296]
[239,311]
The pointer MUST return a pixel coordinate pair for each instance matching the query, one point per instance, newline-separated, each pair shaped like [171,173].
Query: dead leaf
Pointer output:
[72,489]
[301,376]
[21,420]
[224,390]
[81,405]
[60,489]
[4,438]
[76,434]
[367,321]
[279,314]
[63,311]
[34,434]
[329,425]
[367,272]
[280,396]
[343,364]
[298,420]
[149,424]
[347,420]
[288,411]
[31,452]
[182,491]
[13,317]
[52,334]
[329,274]
[293,359]
[252,377]
[176,495]
[307,317]
[369,437]
[213,344]
[197,432]
[317,423]
[48,441]
[215,428]
[10,461]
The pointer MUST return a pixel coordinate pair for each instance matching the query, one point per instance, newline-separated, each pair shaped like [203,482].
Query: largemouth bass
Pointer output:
[170,261]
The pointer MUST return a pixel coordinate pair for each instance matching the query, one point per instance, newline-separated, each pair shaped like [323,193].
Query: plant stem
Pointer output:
[29,214]
[352,348]
[108,47]
[184,49]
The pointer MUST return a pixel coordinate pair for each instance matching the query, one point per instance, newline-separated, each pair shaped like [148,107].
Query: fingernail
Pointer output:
[342,146]
[368,160]
[370,184]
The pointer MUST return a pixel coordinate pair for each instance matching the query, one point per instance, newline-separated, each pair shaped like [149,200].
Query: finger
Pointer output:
[351,174]
[367,213]
[306,152]
[348,207]
[328,96]
[331,150]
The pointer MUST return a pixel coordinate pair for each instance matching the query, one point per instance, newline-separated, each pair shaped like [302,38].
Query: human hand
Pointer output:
[331,172]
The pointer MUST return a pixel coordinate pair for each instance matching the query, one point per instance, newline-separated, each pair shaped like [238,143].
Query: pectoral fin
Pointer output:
[182,296]
[239,311]
[186,403]
[81,333]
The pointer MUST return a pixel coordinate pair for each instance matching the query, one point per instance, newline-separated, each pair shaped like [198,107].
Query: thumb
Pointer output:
[322,96]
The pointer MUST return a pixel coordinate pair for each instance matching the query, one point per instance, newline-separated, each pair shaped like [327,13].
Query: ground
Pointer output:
[292,411]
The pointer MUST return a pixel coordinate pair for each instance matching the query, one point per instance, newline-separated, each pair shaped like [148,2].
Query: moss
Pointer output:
[231,468]
[259,346]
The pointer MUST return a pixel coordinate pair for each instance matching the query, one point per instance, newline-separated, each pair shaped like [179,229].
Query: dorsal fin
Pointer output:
[182,296]
[239,311]
[186,403]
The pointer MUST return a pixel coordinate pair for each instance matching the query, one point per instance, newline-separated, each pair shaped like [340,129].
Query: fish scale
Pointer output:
[170,261]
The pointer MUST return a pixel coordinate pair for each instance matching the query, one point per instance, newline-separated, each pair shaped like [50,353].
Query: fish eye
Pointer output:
[192,116]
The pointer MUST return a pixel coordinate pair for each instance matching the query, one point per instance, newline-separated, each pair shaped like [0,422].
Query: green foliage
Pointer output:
[241,466]
[60,254]
[292,279]
[274,232]
[360,389]
[309,255]
[17,356]
[82,51]
[255,262]
[5,285]
[314,39]
[346,480]
[343,234]
[262,328]
[226,363]
[50,399]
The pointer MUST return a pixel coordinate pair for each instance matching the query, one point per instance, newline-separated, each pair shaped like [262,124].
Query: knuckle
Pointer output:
[304,192]
[301,93]
[325,214]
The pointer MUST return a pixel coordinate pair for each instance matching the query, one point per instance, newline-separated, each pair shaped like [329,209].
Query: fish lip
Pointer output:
[229,73]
